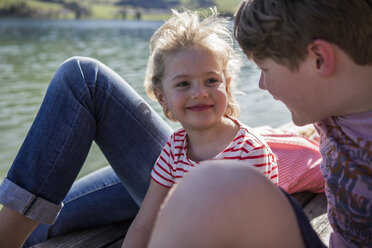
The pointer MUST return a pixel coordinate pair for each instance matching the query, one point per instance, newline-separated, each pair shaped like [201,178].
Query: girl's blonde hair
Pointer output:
[190,29]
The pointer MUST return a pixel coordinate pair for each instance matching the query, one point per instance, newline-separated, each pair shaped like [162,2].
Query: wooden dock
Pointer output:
[314,205]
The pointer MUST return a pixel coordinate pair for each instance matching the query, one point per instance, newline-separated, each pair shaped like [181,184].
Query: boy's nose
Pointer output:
[261,82]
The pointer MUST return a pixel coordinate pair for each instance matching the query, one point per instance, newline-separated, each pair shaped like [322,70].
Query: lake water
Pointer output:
[31,51]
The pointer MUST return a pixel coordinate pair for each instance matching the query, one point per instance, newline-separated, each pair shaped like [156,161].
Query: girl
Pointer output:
[191,73]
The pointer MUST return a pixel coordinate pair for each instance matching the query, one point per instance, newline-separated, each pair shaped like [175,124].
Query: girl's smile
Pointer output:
[200,107]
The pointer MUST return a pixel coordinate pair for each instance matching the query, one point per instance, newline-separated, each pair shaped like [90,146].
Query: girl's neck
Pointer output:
[207,143]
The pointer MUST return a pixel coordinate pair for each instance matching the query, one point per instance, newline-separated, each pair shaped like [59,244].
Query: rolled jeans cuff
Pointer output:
[18,199]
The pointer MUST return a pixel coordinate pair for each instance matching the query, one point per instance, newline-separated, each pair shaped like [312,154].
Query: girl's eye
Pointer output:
[212,81]
[182,84]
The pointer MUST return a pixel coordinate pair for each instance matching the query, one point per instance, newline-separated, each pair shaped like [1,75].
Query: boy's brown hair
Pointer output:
[282,29]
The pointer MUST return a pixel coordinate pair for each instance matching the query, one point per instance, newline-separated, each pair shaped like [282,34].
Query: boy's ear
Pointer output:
[160,97]
[322,54]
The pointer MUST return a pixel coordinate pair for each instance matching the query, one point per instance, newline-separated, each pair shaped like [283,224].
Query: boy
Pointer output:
[316,57]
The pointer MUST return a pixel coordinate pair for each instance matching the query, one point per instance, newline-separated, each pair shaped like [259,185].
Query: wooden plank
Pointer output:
[117,244]
[99,237]
[315,207]
[316,211]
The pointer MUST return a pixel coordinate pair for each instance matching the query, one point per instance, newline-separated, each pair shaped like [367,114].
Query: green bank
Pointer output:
[106,9]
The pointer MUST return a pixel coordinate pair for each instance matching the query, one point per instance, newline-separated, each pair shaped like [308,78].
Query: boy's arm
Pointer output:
[139,232]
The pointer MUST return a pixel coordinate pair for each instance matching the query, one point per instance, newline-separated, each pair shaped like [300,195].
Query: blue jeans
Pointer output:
[85,101]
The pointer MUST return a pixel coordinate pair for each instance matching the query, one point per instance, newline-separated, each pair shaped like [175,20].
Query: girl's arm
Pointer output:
[139,232]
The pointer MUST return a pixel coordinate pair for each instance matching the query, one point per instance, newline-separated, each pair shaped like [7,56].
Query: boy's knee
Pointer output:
[215,182]
[216,195]
[225,174]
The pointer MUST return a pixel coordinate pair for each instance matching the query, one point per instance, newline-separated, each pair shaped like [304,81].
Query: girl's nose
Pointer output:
[200,91]
[261,82]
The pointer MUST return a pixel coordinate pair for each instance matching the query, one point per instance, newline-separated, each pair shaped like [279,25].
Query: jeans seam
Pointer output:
[28,204]
[33,207]
[92,191]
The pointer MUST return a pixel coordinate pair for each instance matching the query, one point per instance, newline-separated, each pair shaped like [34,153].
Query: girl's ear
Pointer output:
[323,58]
[228,81]
[160,97]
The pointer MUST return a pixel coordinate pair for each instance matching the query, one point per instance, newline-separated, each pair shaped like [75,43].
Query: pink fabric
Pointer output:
[298,159]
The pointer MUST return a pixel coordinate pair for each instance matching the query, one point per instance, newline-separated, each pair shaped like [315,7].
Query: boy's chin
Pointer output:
[300,120]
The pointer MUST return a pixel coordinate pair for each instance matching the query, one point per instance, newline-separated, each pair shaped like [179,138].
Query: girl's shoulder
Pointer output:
[177,138]
[248,133]
[179,132]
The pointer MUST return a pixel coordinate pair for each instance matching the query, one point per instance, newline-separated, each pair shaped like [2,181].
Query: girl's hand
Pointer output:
[139,232]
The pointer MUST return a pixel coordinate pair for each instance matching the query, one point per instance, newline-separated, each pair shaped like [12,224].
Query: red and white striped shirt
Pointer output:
[247,146]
